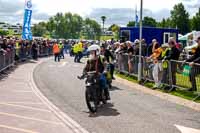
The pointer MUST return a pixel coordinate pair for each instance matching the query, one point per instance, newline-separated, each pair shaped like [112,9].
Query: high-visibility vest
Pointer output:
[80,47]
[60,46]
[17,45]
[165,63]
[56,49]
[76,48]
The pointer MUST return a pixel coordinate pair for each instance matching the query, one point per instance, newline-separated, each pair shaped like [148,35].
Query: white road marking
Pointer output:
[26,107]
[17,129]
[23,91]
[31,118]
[68,121]
[187,129]
[63,64]
[23,103]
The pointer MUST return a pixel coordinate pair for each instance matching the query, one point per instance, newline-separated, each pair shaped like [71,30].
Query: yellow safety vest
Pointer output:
[80,47]
[60,46]
[165,63]
[76,48]
[17,45]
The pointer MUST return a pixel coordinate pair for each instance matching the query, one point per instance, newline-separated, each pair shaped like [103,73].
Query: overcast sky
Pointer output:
[117,11]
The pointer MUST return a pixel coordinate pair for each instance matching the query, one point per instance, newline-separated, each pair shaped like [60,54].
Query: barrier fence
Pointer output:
[7,59]
[171,74]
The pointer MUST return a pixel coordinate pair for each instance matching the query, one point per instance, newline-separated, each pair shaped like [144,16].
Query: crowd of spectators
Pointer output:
[156,58]
[160,60]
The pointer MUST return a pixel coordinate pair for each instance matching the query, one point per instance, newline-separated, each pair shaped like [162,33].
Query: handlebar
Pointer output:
[92,72]
[84,75]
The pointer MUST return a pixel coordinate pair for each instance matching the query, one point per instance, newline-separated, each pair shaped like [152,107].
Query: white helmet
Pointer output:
[94,48]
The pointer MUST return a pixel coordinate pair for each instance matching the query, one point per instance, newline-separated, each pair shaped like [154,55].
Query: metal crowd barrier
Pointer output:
[25,53]
[173,74]
[185,77]
[6,59]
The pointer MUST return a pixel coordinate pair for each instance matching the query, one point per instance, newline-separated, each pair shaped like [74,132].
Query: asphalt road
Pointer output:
[130,111]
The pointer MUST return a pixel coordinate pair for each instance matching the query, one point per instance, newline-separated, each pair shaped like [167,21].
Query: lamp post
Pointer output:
[140,48]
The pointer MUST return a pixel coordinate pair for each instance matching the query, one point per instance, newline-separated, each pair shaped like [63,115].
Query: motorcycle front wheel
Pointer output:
[91,99]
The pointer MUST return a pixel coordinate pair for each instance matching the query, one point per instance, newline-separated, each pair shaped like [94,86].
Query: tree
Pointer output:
[67,26]
[165,23]
[103,18]
[39,29]
[110,28]
[149,21]
[92,30]
[195,22]
[131,24]
[115,30]
[3,32]
[180,18]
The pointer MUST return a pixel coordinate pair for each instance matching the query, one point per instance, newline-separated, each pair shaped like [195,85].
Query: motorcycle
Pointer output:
[94,94]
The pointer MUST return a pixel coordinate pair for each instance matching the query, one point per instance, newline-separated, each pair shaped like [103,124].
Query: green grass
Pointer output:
[106,37]
[180,93]
[184,81]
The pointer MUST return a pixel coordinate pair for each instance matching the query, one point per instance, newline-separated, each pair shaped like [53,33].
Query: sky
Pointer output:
[117,11]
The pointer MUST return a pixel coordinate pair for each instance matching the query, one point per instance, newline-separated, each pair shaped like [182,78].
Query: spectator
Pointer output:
[136,47]
[35,50]
[150,48]
[195,69]
[61,47]
[157,69]
[4,44]
[120,56]
[75,52]
[144,47]
[80,51]
[174,54]
[56,52]
[130,52]
[165,64]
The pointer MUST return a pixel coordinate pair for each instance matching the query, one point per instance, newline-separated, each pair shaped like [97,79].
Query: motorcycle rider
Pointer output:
[96,63]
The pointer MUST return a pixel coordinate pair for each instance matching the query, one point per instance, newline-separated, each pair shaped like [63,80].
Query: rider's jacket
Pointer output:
[95,65]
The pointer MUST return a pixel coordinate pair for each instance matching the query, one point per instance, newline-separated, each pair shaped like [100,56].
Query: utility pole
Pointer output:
[140,50]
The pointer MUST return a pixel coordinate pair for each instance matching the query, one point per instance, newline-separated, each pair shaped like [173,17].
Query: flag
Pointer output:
[136,17]
[136,20]
[26,30]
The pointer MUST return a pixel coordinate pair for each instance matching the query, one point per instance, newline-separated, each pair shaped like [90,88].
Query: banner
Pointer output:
[26,31]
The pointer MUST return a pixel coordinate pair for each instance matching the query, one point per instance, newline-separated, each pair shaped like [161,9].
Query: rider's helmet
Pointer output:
[94,51]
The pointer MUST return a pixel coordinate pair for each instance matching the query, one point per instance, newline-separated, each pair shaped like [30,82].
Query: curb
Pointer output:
[164,96]
[69,122]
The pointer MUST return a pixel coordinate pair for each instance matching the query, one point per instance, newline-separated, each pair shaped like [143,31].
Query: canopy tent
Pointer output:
[185,37]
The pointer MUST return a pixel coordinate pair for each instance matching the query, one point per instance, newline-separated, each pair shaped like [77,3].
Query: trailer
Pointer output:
[162,35]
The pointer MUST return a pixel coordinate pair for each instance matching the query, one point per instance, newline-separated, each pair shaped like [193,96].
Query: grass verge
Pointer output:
[180,93]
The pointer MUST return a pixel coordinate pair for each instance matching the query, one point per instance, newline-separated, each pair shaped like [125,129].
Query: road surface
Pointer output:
[130,111]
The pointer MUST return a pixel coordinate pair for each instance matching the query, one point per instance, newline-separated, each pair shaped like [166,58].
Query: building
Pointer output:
[162,35]
[17,28]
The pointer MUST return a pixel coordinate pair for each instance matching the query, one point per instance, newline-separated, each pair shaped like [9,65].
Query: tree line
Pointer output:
[68,26]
